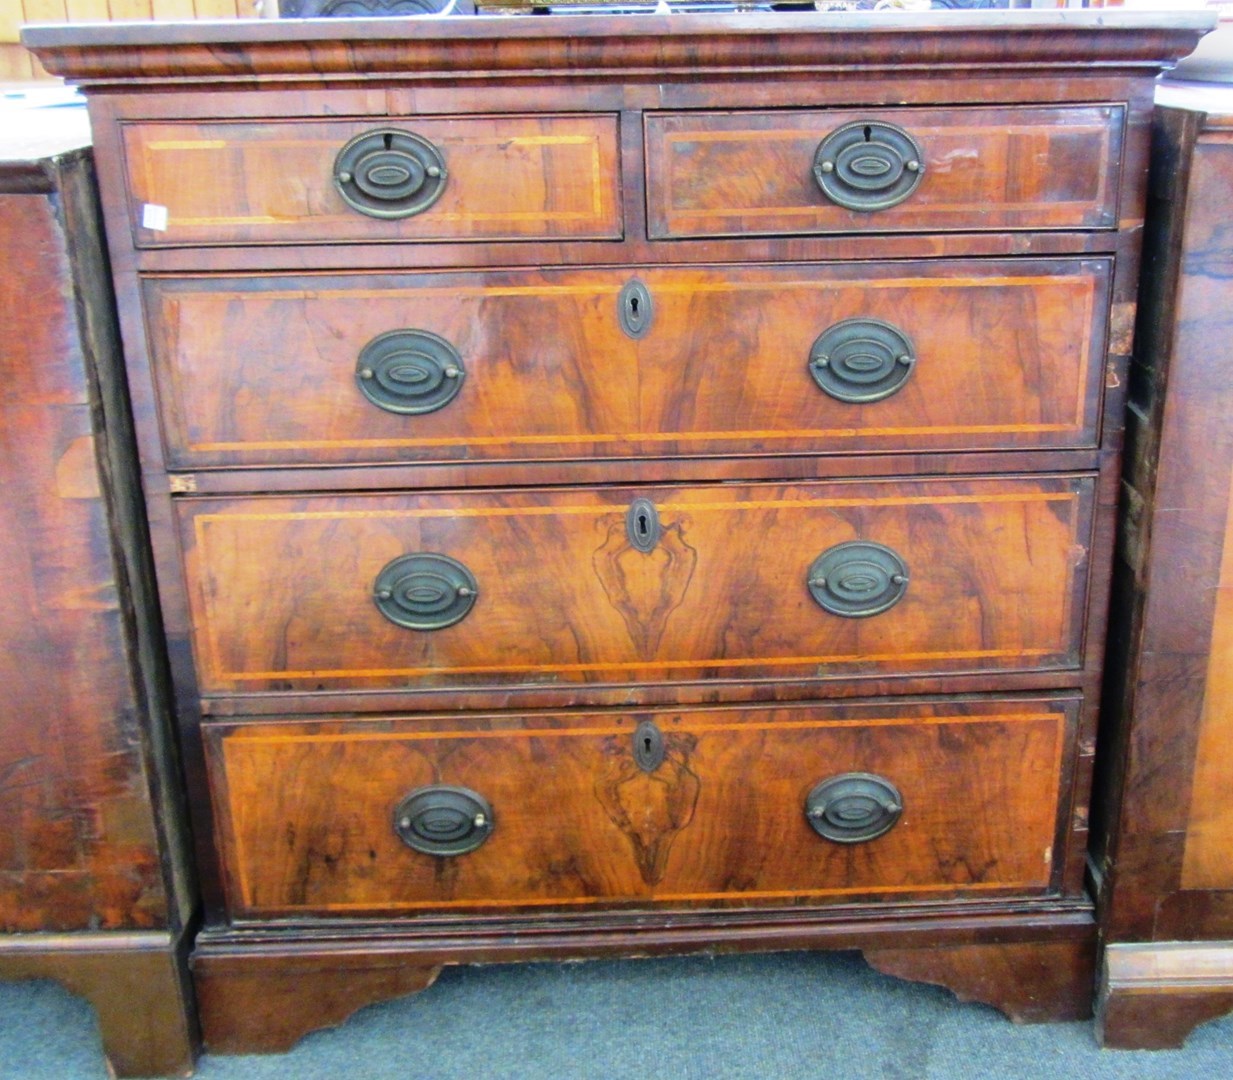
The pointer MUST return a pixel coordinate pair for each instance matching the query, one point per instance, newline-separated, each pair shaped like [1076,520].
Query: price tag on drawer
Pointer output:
[154,217]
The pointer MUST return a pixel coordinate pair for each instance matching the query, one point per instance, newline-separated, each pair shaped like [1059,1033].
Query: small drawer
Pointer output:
[817,804]
[883,170]
[399,179]
[924,356]
[493,589]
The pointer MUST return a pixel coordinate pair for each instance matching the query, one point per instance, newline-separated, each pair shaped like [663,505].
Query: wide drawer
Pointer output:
[729,174]
[492,588]
[272,181]
[963,799]
[352,368]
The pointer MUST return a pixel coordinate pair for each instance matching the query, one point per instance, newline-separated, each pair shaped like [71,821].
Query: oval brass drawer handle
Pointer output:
[443,820]
[853,807]
[409,371]
[389,173]
[862,360]
[858,579]
[425,591]
[868,165]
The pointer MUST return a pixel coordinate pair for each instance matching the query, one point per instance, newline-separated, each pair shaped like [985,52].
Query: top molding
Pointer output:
[610,47]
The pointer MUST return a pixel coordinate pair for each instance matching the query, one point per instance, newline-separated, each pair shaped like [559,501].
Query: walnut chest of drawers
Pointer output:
[630,485]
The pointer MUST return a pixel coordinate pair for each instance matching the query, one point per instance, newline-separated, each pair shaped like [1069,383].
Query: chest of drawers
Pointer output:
[630,485]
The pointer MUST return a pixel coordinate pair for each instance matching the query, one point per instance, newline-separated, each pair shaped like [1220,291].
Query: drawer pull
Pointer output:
[409,371]
[443,820]
[868,165]
[389,173]
[425,591]
[635,309]
[858,578]
[861,360]
[853,807]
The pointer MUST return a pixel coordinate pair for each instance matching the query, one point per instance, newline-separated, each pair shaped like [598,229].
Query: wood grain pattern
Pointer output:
[281,589]
[305,810]
[1044,168]
[272,182]
[80,848]
[263,371]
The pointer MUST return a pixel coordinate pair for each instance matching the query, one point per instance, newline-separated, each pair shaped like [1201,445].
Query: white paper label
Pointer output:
[154,217]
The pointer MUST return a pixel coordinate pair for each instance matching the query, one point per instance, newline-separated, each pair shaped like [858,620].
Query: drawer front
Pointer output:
[306,812]
[271,181]
[285,593]
[291,370]
[729,174]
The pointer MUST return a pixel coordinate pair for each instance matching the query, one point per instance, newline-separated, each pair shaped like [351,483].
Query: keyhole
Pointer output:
[868,133]
[633,306]
[646,745]
[389,139]
[643,528]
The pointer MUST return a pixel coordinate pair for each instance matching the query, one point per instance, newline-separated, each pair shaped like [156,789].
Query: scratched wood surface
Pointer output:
[306,810]
[263,371]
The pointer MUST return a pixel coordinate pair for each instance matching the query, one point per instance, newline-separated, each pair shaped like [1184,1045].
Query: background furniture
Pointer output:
[629,485]
[1166,863]
[17,64]
[95,887]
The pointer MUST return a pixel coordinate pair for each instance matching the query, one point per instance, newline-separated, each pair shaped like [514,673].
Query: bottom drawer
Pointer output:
[682,806]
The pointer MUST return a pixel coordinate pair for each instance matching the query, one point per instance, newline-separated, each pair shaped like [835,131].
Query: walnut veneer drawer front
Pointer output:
[511,365]
[884,170]
[520,177]
[923,800]
[759,580]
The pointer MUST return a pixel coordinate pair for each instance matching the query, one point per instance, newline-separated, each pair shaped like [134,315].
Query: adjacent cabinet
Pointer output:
[630,485]
[1166,868]
[96,889]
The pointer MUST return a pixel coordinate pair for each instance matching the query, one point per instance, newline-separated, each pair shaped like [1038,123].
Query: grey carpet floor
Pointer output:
[785,1017]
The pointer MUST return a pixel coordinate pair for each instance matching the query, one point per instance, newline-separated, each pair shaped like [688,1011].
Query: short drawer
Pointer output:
[924,356]
[272,181]
[821,804]
[883,170]
[501,588]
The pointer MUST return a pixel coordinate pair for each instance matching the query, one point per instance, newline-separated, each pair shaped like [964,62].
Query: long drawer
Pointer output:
[819,803]
[883,170]
[315,181]
[924,356]
[498,588]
